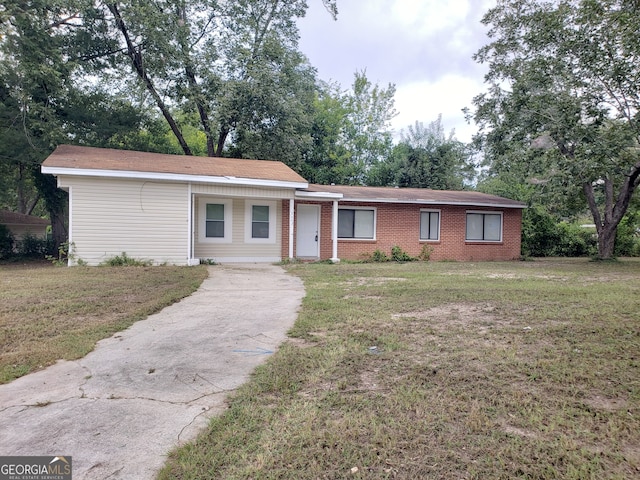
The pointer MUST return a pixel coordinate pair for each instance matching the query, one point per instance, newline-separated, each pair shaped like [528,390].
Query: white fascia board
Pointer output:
[318,195]
[430,202]
[172,177]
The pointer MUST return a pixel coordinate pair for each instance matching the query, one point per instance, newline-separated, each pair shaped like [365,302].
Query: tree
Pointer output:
[351,132]
[42,104]
[234,64]
[426,158]
[563,85]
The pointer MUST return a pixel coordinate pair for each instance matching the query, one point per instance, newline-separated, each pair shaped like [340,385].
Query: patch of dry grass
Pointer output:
[442,370]
[50,313]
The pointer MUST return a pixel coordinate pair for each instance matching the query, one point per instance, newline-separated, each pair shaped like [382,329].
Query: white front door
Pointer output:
[308,231]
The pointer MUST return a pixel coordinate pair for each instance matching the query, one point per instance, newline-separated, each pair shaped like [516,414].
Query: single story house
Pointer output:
[180,210]
[20,224]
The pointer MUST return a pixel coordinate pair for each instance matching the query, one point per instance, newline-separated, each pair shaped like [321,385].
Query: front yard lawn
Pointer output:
[442,370]
[49,313]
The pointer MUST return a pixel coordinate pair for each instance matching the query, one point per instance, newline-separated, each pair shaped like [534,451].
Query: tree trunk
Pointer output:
[135,54]
[607,242]
[58,227]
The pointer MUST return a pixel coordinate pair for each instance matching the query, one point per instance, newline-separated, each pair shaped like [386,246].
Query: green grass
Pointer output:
[490,370]
[49,313]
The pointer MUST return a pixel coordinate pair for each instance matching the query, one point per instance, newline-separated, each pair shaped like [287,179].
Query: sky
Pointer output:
[423,47]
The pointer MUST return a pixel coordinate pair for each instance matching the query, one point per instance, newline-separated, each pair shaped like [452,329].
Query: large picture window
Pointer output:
[484,227]
[429,225]
[356,223]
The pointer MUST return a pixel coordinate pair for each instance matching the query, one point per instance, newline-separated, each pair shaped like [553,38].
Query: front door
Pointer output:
[308,231]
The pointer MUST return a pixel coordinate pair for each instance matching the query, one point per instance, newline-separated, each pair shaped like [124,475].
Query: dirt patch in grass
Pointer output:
[474,371]
[49,313]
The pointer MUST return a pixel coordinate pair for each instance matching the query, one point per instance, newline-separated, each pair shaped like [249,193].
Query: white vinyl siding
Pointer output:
[239,250]
[484,226]
[357,223]
[146,220]
[429,225]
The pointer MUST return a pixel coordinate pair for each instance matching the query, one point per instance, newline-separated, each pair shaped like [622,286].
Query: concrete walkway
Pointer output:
[121,409]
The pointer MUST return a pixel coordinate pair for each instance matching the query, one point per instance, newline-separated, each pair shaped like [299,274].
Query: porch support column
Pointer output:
[190,246]
[334,233]
[291,226]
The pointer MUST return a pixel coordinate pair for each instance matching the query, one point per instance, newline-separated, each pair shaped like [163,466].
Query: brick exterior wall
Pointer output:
[399,224]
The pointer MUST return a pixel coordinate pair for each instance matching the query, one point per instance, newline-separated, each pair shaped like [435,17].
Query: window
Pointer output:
[356,223]
[484,227]
[214,220]
[429,225]
[260,221]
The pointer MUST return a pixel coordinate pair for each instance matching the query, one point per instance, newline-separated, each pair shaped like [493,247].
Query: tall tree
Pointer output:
[426,157]
[351,131]
[564,83]
[234,64]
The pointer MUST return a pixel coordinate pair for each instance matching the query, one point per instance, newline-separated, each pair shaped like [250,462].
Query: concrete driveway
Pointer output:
[121,409]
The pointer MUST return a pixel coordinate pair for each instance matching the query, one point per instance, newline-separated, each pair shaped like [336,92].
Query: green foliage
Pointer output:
[628,236]
[351,132]
[426,158]
[399,255]
[562,102]
[544,236]
[425,253]
[64,254]
[6,242]
[379,256]
[32,246]
[123,260]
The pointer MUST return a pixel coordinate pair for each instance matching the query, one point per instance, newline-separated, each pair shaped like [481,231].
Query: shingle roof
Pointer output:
[91,158]
[416,195]
[13,218]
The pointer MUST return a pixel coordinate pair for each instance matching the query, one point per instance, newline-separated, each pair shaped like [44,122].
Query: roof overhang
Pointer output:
[327,196]
[172,177]
[431,202]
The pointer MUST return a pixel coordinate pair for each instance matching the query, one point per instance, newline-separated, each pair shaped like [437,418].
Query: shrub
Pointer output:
[425,253]
[33,246]
[124,260]
[627,238]
[6,242]
[379,256]
[399,255]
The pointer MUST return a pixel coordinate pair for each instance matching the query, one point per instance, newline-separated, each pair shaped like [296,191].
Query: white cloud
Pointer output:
[424,101]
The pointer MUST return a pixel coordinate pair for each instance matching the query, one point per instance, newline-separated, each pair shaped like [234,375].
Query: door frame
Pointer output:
[308,207]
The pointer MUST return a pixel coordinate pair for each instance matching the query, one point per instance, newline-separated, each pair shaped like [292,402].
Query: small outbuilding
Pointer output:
[20,224]
[181,209]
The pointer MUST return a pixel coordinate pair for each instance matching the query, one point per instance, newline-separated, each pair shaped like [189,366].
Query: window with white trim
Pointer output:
[484,227]
[260,222]
[430,225]
[357,223]
[215,220]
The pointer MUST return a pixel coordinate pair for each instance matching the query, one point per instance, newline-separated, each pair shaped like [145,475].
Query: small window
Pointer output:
[429,225]
[356,223]
[484,227]
[215,220]
[260,221]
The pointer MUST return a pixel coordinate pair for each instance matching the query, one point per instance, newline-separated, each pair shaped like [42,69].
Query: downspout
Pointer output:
[334,233]
[189,226]
[291,225]
[71,248]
